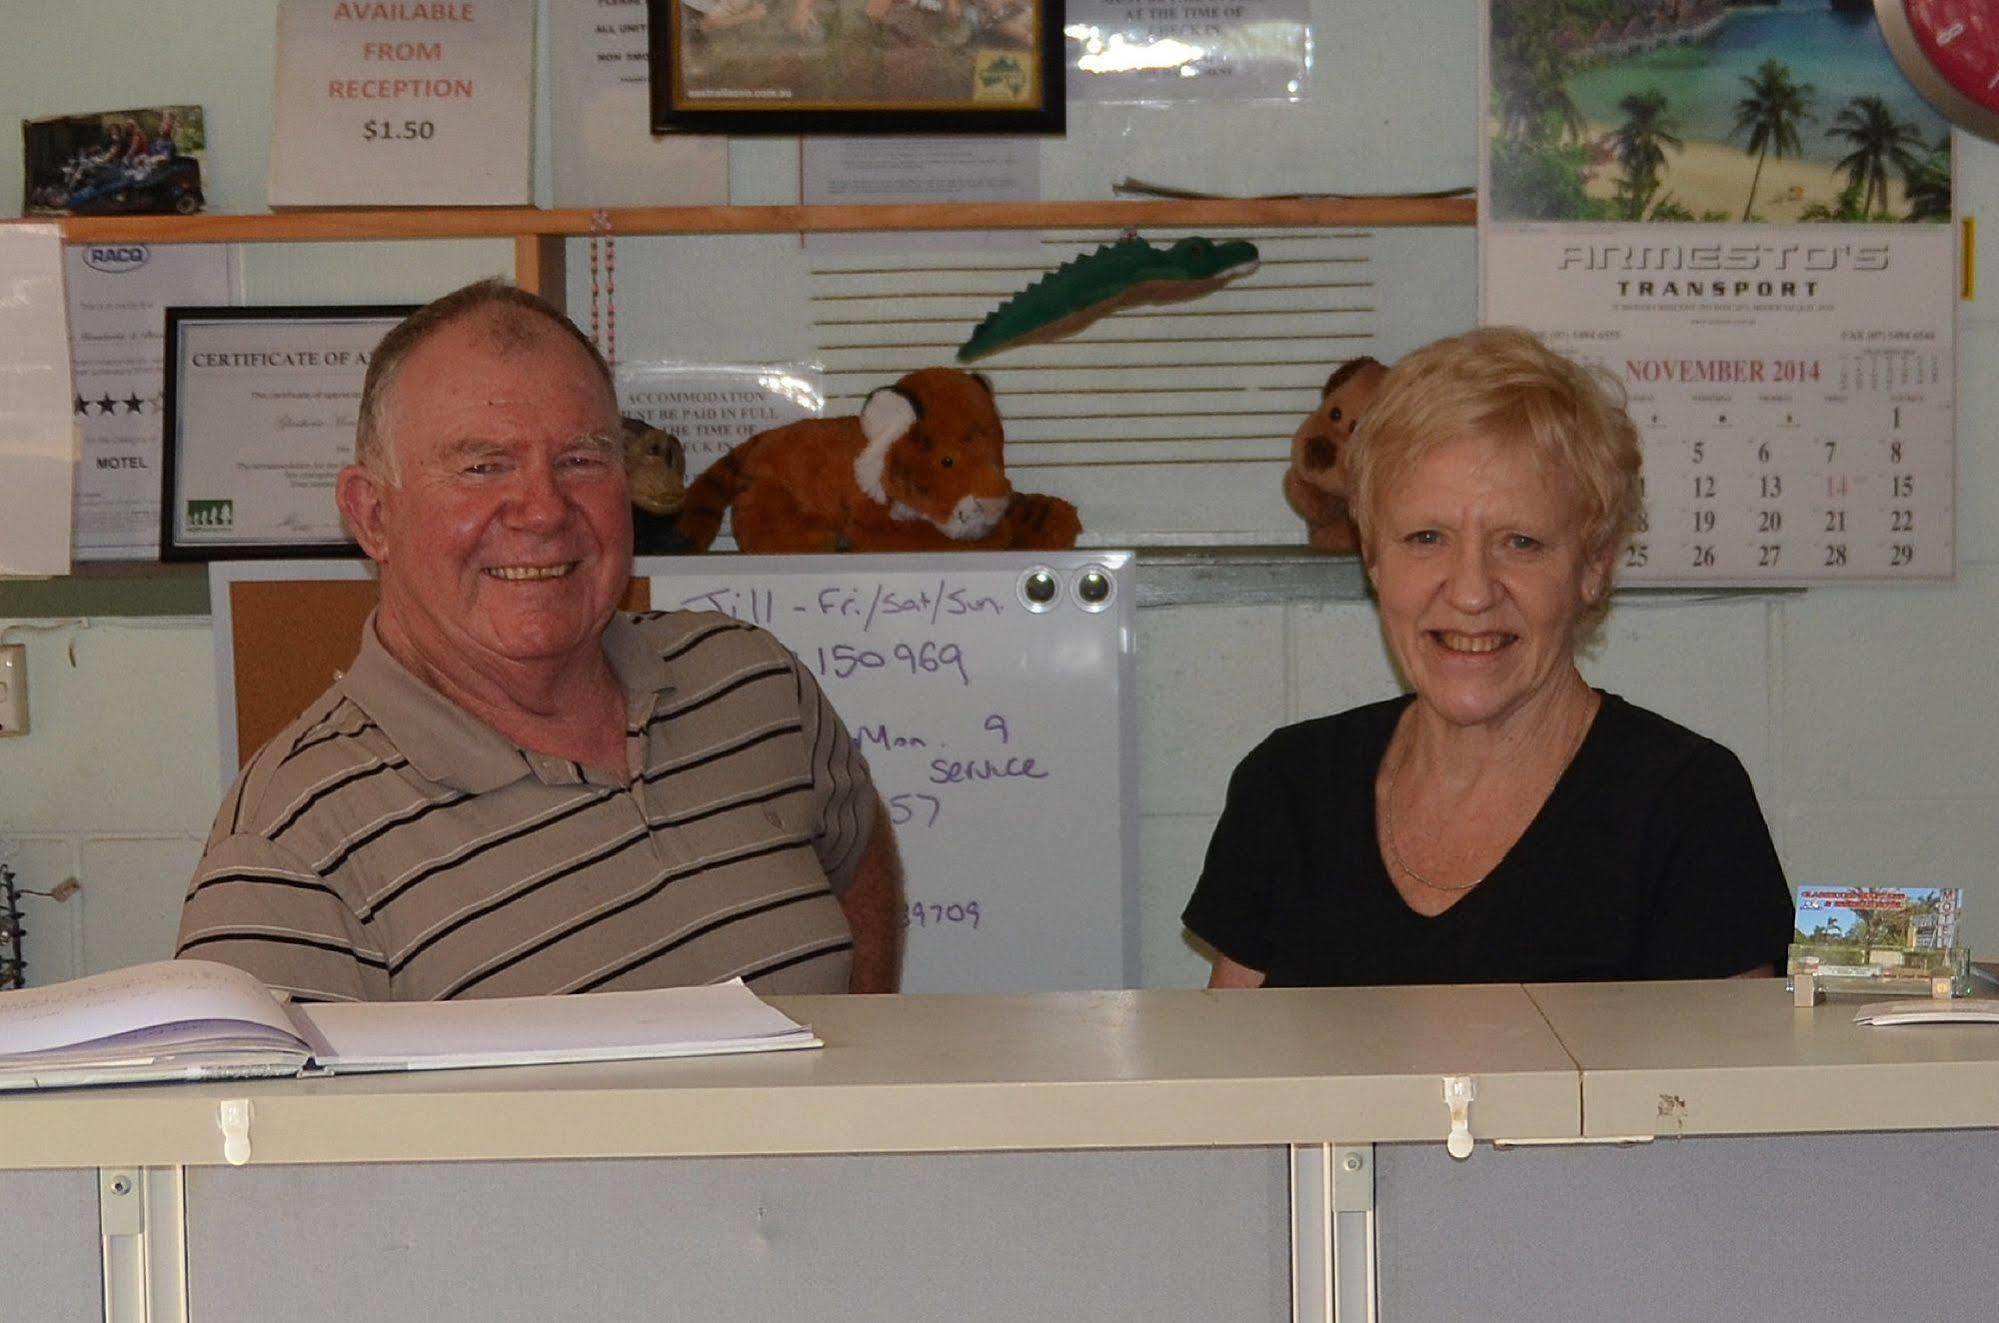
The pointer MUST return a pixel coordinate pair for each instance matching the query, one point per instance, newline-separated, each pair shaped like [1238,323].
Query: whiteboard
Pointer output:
[1000,732]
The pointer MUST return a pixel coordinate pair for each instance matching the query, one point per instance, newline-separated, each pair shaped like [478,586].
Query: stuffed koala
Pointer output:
[655,468]
[1317,483]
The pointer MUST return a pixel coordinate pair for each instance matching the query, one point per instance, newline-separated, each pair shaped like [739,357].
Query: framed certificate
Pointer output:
[259,412]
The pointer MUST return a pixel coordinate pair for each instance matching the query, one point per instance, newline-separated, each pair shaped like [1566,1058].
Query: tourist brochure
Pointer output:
[1870,934]
[194,1019]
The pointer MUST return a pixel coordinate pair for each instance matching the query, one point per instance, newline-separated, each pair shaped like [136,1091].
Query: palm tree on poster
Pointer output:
[1640,144]
[1770,115]
[1529,70]
[1927,188]
[1879,140]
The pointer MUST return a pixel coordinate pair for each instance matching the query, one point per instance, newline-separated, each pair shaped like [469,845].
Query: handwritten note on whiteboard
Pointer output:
[991,693]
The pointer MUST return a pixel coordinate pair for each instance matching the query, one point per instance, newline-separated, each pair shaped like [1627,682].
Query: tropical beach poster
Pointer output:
[1736,111]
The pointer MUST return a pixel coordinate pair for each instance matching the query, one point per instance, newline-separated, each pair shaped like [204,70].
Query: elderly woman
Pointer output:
[1505,822]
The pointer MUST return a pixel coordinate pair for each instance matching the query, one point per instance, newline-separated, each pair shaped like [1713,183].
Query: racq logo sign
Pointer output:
[116,259]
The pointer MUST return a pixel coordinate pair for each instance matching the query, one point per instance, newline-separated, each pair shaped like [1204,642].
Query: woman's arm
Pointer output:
[1719,906]
[1252,848]
[1229,974]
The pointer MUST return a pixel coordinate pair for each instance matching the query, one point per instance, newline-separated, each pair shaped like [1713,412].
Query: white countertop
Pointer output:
[1104,1070]
[1735,1057]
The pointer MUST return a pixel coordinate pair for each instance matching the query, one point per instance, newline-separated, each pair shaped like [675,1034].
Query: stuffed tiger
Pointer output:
[919,469]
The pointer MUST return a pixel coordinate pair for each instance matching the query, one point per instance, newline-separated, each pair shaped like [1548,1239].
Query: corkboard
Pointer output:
[291,639]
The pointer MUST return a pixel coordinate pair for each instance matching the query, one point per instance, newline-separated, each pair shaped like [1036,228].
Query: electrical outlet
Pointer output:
[13,689]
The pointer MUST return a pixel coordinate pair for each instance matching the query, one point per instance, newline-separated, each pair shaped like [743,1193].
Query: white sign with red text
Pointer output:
[402,103]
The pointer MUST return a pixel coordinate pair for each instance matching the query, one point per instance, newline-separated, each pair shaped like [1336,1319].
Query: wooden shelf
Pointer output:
[534,223]
[538,236]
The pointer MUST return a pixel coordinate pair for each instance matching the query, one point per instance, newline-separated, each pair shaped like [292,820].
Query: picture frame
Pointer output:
[147,160]
[257,420]
[856,66]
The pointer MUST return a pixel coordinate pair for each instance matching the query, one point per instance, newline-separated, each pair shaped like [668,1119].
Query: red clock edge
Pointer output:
[1939,91]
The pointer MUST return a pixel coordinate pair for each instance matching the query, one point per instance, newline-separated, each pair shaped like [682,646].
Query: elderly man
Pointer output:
[517,789]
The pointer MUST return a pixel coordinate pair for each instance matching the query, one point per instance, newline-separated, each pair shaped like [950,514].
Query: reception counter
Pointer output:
[1644,1151]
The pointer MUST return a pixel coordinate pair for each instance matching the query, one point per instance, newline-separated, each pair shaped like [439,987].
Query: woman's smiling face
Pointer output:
[1478,562]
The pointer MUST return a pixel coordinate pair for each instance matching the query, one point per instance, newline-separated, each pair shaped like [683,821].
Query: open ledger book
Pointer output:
[193,1019]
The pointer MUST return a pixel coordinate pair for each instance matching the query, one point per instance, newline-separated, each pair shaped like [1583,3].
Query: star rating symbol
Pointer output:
[106,405]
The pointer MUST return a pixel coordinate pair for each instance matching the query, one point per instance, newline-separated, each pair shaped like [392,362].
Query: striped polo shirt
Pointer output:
[390,846]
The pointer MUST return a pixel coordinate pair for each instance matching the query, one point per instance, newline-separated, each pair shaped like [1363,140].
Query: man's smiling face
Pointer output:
[505,538]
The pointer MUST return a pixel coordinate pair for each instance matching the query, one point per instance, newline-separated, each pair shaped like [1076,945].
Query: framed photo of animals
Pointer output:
[856,66]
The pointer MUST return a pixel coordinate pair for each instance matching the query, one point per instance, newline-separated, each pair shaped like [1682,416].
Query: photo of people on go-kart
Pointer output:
[116,161]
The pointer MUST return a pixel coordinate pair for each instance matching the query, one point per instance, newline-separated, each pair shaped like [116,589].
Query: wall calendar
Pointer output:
[1790,442]
[1743,215]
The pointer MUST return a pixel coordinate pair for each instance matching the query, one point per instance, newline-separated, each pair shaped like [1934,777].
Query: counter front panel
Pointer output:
[50,1268]
[1859,1226]
[1141,1235]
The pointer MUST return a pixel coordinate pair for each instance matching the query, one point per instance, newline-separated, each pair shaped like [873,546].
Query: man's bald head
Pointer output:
[514,320]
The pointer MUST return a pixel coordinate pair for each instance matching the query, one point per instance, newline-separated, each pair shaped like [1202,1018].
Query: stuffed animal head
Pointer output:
[655,467]
[934,452]
[1319,446]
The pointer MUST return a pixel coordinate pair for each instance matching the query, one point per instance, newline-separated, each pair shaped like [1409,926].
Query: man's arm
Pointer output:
[254,906]
[874,905]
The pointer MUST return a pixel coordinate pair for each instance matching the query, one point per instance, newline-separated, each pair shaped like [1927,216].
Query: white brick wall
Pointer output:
[113,785]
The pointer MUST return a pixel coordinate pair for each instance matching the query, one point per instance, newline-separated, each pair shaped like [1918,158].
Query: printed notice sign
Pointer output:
[711,407]
[1188,50]
[37,436]
[117,294]
[938,168]
[409,103]
[603,154]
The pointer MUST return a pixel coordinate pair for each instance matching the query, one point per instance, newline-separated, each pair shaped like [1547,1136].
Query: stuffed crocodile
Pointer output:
[1115,276]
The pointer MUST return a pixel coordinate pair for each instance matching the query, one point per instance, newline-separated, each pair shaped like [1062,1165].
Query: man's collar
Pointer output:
[449,745]
[444,742]
[640,670]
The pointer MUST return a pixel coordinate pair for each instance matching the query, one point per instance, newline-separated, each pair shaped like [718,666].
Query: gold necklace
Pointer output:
[1395,852]
[1395,859]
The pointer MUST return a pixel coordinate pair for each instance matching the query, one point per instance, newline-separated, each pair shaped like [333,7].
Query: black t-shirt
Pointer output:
[1649,860]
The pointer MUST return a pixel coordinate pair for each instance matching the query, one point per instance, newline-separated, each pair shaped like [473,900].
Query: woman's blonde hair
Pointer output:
[1501,383]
